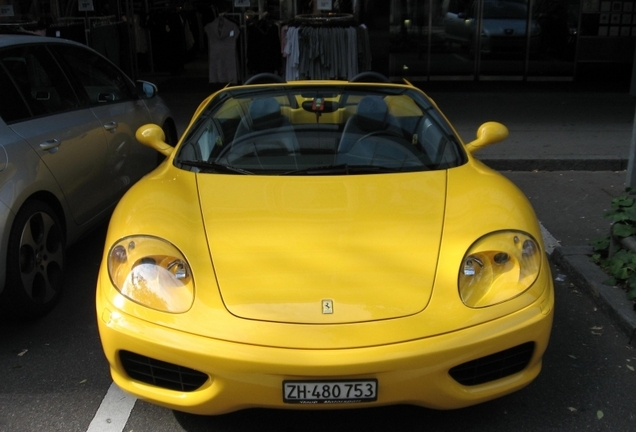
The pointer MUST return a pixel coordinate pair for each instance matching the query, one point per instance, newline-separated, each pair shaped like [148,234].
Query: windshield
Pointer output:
[319,130]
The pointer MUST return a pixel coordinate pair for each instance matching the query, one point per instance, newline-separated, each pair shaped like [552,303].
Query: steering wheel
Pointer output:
[398,149]
[383,132]
[257,142]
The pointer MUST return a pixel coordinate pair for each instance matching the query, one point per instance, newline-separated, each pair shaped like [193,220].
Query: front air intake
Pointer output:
[494,366]
[160,373]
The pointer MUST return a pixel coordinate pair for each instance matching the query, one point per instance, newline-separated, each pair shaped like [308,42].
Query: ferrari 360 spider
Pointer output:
[323,244]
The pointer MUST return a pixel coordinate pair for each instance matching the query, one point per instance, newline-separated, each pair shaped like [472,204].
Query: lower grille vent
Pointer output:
[493,367]
[161,374]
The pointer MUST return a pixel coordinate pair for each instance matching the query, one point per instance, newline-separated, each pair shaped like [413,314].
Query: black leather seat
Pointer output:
[263,114]
[372,115]
[263,131]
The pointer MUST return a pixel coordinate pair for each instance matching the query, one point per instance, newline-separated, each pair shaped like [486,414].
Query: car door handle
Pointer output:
[111,126]
[50,144]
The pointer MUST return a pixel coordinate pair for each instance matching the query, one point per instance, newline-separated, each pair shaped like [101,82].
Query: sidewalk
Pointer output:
[551,128]
[567,150]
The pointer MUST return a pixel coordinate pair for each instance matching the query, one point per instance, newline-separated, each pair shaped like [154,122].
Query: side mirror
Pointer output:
[147,89]
[488,133]
[153,136]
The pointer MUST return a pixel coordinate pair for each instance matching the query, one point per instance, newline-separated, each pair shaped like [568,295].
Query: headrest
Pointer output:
[372,113]
[265,113]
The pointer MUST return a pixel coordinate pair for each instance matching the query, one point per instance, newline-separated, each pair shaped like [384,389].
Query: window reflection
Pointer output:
[438,38]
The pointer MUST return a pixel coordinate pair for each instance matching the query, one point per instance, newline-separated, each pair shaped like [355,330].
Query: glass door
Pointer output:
[438,39]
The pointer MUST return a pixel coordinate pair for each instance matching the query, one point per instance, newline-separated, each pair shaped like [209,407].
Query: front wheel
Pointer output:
[35,262]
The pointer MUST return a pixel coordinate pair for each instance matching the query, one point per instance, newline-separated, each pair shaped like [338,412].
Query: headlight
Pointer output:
[152,272]
[498,267]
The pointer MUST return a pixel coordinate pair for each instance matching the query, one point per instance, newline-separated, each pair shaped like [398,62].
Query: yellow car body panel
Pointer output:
[280,245]
[265,252]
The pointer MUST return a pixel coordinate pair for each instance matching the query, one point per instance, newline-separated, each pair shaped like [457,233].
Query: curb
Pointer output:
[576,262]
[508,163]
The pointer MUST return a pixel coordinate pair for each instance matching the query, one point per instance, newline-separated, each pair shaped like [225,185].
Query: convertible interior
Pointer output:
[307,130]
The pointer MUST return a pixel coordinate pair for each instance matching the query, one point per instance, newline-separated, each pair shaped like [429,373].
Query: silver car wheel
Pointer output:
[41,257]
[35,263]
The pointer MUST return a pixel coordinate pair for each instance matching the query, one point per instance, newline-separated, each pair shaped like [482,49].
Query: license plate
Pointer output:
[330,392]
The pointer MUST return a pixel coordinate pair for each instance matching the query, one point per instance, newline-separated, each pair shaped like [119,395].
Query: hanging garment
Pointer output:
[352,52]
[263,47]
[222,35]
[364,49]
[292,54]
[323,52]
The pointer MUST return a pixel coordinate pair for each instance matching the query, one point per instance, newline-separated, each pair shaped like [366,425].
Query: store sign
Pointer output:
[85,5]
[241,3]
[6,11]
[324,5]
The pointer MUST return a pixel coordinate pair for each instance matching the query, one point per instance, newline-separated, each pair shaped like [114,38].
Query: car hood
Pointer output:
[326,249]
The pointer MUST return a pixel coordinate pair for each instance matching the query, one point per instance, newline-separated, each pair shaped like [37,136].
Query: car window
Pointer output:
[317,131]
[13,107]
[101,80]
[201,146]
[39,79]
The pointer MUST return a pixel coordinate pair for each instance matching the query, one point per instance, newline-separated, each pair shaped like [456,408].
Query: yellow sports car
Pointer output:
[323,244]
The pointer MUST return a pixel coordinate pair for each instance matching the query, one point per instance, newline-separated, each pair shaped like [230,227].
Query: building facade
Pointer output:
[420,40]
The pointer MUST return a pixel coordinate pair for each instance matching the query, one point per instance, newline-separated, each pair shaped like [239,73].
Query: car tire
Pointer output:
[35,262]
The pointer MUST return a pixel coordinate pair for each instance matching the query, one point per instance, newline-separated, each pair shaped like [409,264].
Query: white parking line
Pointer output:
[113,412]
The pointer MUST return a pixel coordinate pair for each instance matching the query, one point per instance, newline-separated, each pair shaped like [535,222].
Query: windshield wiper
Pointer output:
[343,169]
[216,167]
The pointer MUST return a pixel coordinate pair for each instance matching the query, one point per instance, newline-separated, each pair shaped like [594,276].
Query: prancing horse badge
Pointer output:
[327,306]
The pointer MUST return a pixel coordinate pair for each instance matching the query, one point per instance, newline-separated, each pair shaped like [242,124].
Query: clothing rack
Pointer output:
[68,23]
[342,46]
[323,20]
[102,21]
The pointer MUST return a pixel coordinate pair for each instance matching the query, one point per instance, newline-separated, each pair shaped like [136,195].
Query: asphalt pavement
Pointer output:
[568,151]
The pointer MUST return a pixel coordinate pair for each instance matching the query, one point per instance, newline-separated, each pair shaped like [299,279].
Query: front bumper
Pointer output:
[237,376]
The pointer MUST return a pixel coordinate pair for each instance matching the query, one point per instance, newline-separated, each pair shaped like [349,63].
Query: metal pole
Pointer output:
[479,16]
[631,171]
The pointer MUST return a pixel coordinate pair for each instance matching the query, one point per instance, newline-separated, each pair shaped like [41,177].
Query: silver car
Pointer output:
[68,152]
[503,26]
